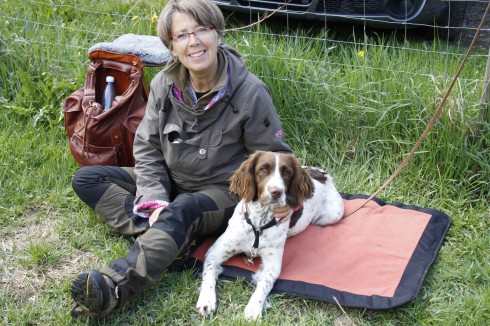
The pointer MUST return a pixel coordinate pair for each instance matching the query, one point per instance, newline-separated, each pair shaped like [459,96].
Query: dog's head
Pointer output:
[272,178]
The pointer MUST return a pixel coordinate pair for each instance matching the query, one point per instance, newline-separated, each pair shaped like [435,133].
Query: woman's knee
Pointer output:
[182,214]
[90,183]
[83,176]
[188,207]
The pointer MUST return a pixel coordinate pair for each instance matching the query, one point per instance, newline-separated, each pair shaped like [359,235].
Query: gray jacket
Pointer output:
[197,148]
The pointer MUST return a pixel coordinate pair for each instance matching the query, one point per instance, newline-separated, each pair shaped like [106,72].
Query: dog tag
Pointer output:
[248,260]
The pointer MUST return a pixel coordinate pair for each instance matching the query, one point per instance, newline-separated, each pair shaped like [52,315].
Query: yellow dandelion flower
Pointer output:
[135,17]
[361,53]
[154,18]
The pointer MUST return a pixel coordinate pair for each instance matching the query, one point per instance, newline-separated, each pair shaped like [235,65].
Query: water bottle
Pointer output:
[109,93]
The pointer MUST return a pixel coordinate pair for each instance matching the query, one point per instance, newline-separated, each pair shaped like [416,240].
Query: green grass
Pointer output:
[356,115]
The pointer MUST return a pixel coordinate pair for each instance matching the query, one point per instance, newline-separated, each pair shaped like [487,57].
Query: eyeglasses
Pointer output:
[199,32]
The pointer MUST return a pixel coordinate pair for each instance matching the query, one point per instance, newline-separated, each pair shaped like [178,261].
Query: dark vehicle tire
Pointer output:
[463,18]
[450,24]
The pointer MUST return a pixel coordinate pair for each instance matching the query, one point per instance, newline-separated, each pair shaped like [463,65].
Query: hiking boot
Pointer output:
[95,294]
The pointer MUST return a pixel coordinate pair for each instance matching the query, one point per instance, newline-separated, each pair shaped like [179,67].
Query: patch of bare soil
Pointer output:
[24,283]
[343,320]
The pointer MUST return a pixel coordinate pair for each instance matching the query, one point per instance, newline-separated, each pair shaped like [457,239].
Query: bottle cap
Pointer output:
[109,79]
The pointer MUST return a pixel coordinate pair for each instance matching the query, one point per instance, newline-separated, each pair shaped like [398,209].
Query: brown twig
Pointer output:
[345,313]
[264,17]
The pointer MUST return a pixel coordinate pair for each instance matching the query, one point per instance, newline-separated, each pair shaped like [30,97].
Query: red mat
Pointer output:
[375,258]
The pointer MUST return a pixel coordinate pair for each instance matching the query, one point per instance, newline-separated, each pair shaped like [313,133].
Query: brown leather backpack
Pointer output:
[106,137]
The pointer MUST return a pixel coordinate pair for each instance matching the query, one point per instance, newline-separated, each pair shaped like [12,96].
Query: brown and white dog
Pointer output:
[263,181]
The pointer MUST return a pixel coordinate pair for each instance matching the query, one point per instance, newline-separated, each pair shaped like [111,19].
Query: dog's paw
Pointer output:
[253,312]
[206,304]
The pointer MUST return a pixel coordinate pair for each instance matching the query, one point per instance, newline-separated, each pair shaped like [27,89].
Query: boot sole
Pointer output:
[89,290]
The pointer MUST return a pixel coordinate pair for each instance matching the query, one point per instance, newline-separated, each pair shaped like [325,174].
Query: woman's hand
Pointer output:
[283,213]
[154,215]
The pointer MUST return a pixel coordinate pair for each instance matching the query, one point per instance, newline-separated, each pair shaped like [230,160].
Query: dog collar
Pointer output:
[257,231]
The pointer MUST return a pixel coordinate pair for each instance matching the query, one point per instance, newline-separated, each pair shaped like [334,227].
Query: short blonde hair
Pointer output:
[205,13]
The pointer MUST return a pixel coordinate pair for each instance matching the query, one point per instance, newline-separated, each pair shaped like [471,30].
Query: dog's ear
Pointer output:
[301,187]
[243,180]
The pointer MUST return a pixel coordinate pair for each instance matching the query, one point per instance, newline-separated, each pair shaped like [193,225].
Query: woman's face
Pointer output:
[199,54]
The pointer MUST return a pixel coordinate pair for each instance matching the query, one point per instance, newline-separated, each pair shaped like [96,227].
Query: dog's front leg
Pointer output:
[265,278]
[219,252]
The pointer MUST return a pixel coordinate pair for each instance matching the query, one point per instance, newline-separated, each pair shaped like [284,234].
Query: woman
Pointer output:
[206,113]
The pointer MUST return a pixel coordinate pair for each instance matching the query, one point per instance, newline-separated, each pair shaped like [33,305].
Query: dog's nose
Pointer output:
[275,192]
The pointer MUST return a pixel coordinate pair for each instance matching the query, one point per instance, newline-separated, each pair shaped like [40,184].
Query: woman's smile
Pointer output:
[197,54]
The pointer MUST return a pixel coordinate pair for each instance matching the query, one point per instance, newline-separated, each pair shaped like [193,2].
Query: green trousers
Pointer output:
[110,192]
